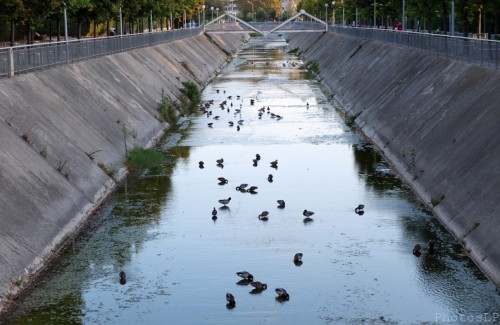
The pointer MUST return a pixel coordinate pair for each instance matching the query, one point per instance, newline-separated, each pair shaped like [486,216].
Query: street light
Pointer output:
[326,13]
[212,9]
[343,13]
[333,14]
[374,14]
[203,7]
[252,8]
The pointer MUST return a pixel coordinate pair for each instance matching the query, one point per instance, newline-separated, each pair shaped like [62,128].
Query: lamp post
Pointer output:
[326,13]
[404,22]
[66,33]
[252,8]
[343,14]
[217,11]
[374,14]
[203,7]
[212,9]
[333,14]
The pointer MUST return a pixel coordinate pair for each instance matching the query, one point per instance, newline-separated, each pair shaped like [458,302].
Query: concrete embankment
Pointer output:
[62,128]
[436,120]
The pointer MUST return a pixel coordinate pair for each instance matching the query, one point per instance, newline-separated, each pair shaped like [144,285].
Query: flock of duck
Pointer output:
[247,277]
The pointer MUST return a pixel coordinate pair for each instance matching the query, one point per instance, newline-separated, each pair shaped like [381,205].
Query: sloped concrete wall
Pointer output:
[436,120]
[54,121]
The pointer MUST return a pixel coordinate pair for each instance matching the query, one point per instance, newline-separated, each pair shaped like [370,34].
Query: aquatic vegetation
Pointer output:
[140,158]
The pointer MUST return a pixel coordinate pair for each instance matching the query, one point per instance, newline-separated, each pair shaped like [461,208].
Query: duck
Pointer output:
[359,209]
[237,128]
[245,275]
[242,187]
[230,299]
[201,164]
[123,277]
[298,257]
[240,122]
[252,189]
[214,212]
[257,157]
[270,178]
[210,125]
[282,294]
[220,161]
[281,204]
[231,123]
[307,213]
[417,250]
[225,201]
[274,164]
[264,216]
[432,247]
[222,180]
[255,162]
[258,285]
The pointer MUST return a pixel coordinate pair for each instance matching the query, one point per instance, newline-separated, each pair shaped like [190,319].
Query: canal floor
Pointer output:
[357,268]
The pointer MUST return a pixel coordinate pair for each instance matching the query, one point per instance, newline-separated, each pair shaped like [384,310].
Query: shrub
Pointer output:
[140,158]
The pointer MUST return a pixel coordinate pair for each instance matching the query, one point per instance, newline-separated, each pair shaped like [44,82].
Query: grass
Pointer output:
[108,170]
[168,111]
[313,66]
[140,158]
[191,97]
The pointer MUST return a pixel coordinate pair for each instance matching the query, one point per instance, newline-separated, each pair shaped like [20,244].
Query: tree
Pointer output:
[12,11]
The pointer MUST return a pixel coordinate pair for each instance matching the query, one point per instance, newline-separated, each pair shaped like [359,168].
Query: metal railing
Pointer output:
[26,58]
[478,51]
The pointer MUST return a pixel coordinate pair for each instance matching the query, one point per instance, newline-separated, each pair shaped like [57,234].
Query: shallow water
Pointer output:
[357,269]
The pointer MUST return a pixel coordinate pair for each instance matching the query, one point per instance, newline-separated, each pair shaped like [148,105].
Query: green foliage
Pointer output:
[108,170]
[437,199]
[313,66]
[191,97]
[140,158]
[295,51]
[168,111]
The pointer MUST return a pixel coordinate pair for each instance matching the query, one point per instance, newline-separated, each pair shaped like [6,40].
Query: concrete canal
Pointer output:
[357,268]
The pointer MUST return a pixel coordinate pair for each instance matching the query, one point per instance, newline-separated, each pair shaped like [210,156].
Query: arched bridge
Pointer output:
[294,24]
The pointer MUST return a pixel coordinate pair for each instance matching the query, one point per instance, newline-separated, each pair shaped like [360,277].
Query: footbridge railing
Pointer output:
[294,24]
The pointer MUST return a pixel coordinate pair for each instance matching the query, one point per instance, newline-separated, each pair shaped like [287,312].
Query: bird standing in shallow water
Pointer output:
[123,277]
[225,201]
[270,178]
[282,294]
[307,213]
[258,285]
[274,164]
[245,275]
[281,204]
[201,164]
[417,250]
[359,209]
[214,214]
[222,180]
[298,257]
[264,216]
[230,299]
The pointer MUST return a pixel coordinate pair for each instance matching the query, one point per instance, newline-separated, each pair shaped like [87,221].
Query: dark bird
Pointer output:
[245,275]
[237,128]
[270,178]
[274,164]
[216,117]
[201,164]
[258,285]
[230,299]
[210,125]
[242,187]
[252,189]
[264,216]
[231,123]
[224,201]
[298,257]
[281,204]
[257,156]
[214,212]
[282,294]
[217,91]
[432,247]
[240,122]
[123,277]
[222,180]
[219,161]
[307,213]
[255,162]
[417,250]
[359,209]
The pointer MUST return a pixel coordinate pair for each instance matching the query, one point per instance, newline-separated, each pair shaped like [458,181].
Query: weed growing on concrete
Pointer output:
[140,158]
[43,153]
[437,199]
[111,172]
[295,50]
[313,66]
[471,229]
[191,97]
[411,166]
[168,111]
[61,166]
[91,154]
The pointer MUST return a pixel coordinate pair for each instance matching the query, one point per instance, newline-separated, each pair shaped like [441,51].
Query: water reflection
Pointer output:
[180,246]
